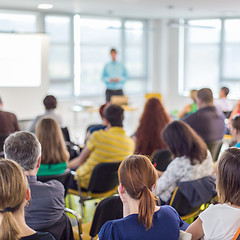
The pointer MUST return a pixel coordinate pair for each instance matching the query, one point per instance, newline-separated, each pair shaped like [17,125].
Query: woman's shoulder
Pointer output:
[39,236]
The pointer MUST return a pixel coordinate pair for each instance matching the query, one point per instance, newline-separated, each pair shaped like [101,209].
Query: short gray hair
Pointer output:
[23,148]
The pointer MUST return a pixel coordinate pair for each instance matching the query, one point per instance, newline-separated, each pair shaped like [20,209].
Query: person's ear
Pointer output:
[39,162]
[28,194]
[121,189]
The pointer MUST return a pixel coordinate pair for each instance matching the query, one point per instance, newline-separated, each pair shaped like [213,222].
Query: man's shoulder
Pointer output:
[7,114]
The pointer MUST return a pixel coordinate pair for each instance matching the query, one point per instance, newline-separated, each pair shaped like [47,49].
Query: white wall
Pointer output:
[26,102]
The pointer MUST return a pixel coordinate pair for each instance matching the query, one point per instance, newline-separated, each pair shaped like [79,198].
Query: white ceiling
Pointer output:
[135,8]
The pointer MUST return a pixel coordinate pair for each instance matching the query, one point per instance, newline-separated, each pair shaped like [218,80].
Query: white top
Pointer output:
[181,170]
[224,104]
[220,221]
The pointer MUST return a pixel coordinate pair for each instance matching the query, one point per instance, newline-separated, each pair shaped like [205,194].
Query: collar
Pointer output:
[31,178]
[116,129]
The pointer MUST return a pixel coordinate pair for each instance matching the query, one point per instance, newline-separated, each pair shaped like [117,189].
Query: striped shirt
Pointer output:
[112,145]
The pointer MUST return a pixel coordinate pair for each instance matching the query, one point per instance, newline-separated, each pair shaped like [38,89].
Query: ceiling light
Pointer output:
[45,6]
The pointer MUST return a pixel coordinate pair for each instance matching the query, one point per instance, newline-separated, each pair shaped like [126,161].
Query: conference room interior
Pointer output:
[167,47]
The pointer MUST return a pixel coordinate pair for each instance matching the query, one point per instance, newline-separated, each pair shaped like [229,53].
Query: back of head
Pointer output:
[51,138]
[50,102]
[225,91]
[153,120]
[206,95]
[23,148]
[114,115]
[138,176]
[182,140]
[236,122]
[228,184]
[13,192]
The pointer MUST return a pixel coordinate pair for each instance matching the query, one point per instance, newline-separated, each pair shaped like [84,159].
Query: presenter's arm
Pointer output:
[79,160]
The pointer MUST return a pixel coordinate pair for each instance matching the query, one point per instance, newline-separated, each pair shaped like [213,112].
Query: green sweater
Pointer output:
[52,169]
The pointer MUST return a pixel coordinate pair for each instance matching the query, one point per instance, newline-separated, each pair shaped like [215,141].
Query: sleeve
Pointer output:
[105,75]
[107,232]
[182,225]
[172,174]
[92,142]
[209,220]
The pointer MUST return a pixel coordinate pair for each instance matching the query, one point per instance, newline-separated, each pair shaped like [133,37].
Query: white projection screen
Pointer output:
[20,60]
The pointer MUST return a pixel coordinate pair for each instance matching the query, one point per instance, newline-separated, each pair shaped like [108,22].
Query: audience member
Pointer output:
[192,159]
[96,127]
[221,221]
[142,218]
[50,104]
[236,110]
[47,204]
[208,121]
[14,196]
[54,151]
[110,145]
[148,135]
[235,129]
[8,122]
[223,103]
[190,108]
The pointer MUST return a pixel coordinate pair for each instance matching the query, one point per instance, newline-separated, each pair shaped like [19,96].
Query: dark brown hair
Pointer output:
[137,175]
[225,90]
[228,180]
[152,122]
[206,95]
[236,122]
[182,140]
[114,115]
[50,102]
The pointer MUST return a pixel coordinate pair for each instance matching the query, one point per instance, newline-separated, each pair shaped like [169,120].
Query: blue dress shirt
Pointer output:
[114,70]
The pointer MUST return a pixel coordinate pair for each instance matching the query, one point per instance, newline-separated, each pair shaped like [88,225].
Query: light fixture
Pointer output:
[45,6]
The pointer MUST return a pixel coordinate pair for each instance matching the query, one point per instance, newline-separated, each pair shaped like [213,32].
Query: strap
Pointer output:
[237,235]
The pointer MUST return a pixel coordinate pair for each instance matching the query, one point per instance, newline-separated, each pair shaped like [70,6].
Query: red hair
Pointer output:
[137,175]
[148,134]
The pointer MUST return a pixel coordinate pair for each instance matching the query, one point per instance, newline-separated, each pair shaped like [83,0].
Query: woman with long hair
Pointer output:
[148,135]
[142,218]
[222,221]
[54,151]
[192,158]
[14,196]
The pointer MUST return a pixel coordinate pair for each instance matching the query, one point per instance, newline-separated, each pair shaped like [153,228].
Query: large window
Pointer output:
[96,37]
[60,54]
[212,55]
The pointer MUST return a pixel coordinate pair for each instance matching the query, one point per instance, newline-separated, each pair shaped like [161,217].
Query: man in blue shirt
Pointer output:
[114,75]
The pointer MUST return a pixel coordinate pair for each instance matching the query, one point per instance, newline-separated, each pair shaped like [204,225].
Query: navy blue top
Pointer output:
[166,226]
[39,236]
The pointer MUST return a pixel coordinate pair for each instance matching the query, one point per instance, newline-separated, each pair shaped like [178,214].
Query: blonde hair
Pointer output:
[13,190]
[50,136]
[137,175]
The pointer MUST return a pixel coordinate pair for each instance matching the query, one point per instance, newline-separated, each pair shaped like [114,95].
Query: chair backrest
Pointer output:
[108,209]
[104,177]
[215,148]
[161,158]
[61,230]
[66,134]
[188,197]
[65,178]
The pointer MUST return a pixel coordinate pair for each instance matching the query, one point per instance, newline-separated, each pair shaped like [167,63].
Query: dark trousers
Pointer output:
[110,93]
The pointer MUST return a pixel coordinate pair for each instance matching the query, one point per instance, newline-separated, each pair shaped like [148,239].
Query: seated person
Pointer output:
[148,135]
[208,121]
[236,110]
[190,108]
[109,145]
[142,219]
[14,196]
[235,129]
[221,221]
[50,103]
[25,149]
[54,151]
[192,159]
[8,122]
[96,127]
[223,103]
